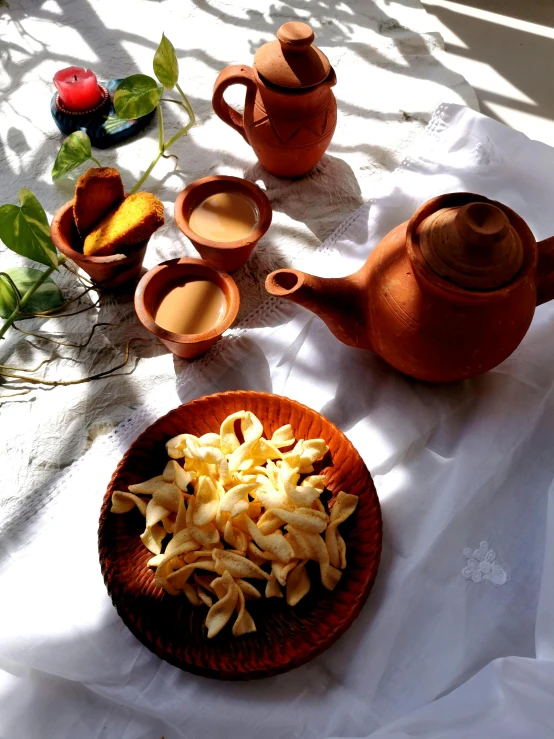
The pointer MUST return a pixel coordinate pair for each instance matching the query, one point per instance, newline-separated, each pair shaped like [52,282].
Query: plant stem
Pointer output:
[50,314]
[24,298]
[56,383]
[146,174]
[160,130]
[190,124]
[95,161]
[163,147]
[13,286]
[22,369]
[158,155]
[61,343]
[188,106]
[182,132]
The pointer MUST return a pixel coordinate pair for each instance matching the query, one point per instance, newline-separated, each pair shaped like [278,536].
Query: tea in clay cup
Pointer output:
[113,272]
[232,254]
[158,282]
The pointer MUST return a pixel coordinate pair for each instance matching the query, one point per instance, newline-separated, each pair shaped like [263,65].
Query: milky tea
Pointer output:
[192,306]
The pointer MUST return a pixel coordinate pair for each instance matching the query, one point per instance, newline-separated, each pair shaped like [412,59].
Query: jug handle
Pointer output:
[238,74]
[545,271]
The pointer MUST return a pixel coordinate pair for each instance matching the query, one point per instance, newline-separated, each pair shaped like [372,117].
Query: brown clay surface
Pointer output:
[472,245]
[286,637]
[158,281]
[289,124]
[226,256]
[115,272]
[545,271]
[424,325]
[292,61]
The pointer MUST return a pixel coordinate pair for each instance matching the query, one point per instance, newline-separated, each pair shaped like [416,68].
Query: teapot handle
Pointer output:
[545,271]
[234,75]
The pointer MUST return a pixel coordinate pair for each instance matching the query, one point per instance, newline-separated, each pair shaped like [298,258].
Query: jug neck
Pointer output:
[280,101]
[470,248]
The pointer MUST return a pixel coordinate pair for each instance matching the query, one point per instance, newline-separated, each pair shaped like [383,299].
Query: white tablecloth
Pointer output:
[391,76]
[457,637]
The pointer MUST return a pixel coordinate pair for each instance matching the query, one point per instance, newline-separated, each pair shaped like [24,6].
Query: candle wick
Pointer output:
[75,76]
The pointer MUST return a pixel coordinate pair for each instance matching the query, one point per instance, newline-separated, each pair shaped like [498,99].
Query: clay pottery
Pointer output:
[113,272]
[290,112]
[445,296]
[157,282]
[285,637]
[225,255]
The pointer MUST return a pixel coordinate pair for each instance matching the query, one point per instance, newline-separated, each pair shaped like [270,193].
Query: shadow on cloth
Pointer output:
[332,182]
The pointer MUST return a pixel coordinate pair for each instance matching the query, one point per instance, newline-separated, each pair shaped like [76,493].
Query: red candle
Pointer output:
[78,88]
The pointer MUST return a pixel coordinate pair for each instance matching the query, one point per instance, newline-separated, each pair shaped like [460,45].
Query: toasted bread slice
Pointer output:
[133,221]
[98,192]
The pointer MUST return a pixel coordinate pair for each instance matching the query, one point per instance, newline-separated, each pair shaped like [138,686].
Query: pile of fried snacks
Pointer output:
[239,512]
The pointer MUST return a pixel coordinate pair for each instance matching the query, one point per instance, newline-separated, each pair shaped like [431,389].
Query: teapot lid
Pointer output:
[292,61]
[473,245]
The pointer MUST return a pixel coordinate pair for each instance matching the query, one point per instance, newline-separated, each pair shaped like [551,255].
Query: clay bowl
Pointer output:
[112,272]
[230,255]
[160,279]
[286,637]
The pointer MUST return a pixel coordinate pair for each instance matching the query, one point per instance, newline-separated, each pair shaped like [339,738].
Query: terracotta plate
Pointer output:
[286,637]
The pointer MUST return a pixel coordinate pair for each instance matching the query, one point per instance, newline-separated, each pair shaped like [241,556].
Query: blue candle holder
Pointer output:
[100,123]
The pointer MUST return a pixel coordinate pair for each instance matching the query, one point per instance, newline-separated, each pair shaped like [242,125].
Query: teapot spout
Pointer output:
[337,301]
[545,271]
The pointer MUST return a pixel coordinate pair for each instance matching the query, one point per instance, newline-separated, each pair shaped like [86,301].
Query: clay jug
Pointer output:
[445,296]
[290,111]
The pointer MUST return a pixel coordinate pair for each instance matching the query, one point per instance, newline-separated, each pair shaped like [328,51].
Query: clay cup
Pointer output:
[112,272]
[225,255]
[156,283]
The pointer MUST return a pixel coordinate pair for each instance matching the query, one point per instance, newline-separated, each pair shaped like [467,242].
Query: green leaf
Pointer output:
[166,66]
[114,124]
[74,151]
[136,96]
[46,297]
[25,230]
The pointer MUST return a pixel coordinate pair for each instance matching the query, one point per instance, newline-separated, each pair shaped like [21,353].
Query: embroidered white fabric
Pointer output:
[431,655]
[393,47]
[481,565]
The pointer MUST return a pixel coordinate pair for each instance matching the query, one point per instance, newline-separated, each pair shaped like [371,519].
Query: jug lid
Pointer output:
[474,246]
[292,61]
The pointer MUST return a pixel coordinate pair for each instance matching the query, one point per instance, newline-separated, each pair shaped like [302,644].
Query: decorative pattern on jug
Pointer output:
[290,112]
[306,132]
[290,133]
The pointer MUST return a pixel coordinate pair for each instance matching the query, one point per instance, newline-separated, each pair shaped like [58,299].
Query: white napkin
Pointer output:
[458,631]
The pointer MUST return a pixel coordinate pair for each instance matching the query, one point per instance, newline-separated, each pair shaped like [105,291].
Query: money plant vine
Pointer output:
[135,96]
[27,292]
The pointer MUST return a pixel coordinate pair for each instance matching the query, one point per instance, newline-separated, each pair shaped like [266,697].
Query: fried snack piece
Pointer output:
[237,507]
[133,221]
[345,505]
[98,192]
[298,583]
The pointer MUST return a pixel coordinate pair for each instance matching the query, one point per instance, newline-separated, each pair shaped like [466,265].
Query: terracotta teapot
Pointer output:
[445,296]
[290,112]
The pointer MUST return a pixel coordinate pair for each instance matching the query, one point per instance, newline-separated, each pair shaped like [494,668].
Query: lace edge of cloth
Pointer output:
[127,431]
